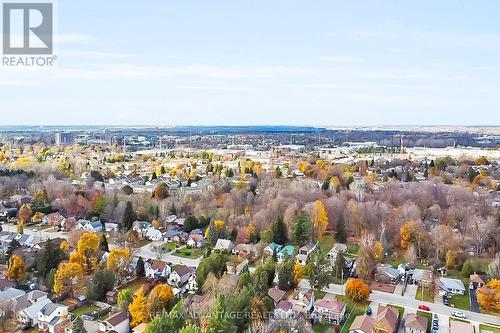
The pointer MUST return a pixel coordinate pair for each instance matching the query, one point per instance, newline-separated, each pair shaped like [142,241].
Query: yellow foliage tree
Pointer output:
[219,224]
[118,260]
[297,273]
[488,296]
[408,233]
[139,309]
[25,213]
[159,297]
[64,245]
[320,219]
[20,227]
[87,246]
[66,275]
[378,248]
[17,269]
[451,257]
[77,258]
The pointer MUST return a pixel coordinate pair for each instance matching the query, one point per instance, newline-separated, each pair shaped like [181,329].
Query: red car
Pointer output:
[424,307]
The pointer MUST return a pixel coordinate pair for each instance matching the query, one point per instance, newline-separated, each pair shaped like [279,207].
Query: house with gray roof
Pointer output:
[451,286]
[53,317]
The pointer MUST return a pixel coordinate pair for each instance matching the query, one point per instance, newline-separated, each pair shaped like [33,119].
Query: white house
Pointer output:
[91,226]
[27,306]
[118,322]
[154,269]
[192,285]
[53,318]
[451,286]
[304,253]
[180,276]
[154,234]
[223,245]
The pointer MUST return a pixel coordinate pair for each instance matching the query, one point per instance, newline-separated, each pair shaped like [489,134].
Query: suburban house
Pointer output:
[53,318]
[195,241]
[6,284]
[224,245]
[91,226]
[56,220]
[451,286]
[192,285]
[175,235]
[422,277]
[304,253]
[7,300]
[276,294]
[476,281]
[415,324]
[285,253]
[330,311]
[458,326]
[303,302]
[28,305]
[247,251]
[117,322]
[69,224]
[387,274]
[271,248]
[141,227]
[24,239]
[283,310]
[337,248]
[180,275]
[154,234]
[385,320]
[155,269]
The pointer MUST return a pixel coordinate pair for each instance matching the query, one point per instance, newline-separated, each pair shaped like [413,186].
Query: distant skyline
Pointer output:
[232,62]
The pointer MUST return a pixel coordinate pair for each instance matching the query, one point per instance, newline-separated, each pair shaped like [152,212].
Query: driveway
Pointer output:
[474,306]
[411,291]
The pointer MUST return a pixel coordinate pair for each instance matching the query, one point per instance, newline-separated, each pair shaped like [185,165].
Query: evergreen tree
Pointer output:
[128,216]
[340,232]
[279,232]
[339,265]
[285,274]
[77,326]
[48,258]
[100,283]
[300,229]
[103,243]
[139,268]
[320,270]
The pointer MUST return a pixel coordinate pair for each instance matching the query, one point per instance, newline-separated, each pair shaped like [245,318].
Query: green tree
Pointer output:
[128,216]
[49,280]
[103,243]
[100,283]
[191,223]
[219,320]
[139,268]
[279,232]
[241,304]
[125,297]
[286,274]
[48,258]
[190,328]
[215,264]
[339,265]
[319,270]
[171,321]
[77,326]
[300,229]
[340,232]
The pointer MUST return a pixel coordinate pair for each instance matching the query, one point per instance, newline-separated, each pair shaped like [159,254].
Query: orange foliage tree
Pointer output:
[17,269]
[357,290]
[488,296]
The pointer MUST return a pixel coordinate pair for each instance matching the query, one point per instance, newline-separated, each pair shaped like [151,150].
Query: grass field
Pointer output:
[134,286]
[169,247]
[189,253]
[326,243]
[84,309]
[461,301]
[353,310]
[428,295]
[322,328]
[490,328]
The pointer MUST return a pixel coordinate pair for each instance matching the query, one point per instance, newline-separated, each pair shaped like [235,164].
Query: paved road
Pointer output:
[410,303]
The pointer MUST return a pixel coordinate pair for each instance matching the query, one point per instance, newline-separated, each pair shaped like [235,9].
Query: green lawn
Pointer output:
[84,309]
[461,301]
[427,315]
[326,243]
[134,286]
[169,247]
[400,309]
[353,310]
[319,294]
[322,328]
[485,327]
[189,253]
[428,295]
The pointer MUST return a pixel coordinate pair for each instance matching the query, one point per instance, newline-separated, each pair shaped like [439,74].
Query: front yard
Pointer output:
[461,301]
[428,295]
[189,253]
[489,328]
[353,310]
[84,309]
[322,328]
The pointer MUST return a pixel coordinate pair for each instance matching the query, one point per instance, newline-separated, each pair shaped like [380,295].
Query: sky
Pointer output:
[283,62]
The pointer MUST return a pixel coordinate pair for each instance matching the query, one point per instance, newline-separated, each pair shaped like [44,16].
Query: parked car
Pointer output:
[445,301]
[458,314]
[424,307]
[435,325]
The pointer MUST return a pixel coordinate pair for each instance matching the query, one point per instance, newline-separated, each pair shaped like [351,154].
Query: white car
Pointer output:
[458,314]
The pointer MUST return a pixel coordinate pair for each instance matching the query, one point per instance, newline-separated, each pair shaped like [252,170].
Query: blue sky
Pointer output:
[265,62]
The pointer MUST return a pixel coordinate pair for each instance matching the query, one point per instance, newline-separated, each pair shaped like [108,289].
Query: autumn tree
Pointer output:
[159,297]
[378,249]
[357,290]
[87,247]
[319,219]
[366,259]
[118,260]
[488,296]
[25,213]
[66,276]
[48,258]
[139,309]
[297,273]
[17,269]
[161,191]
